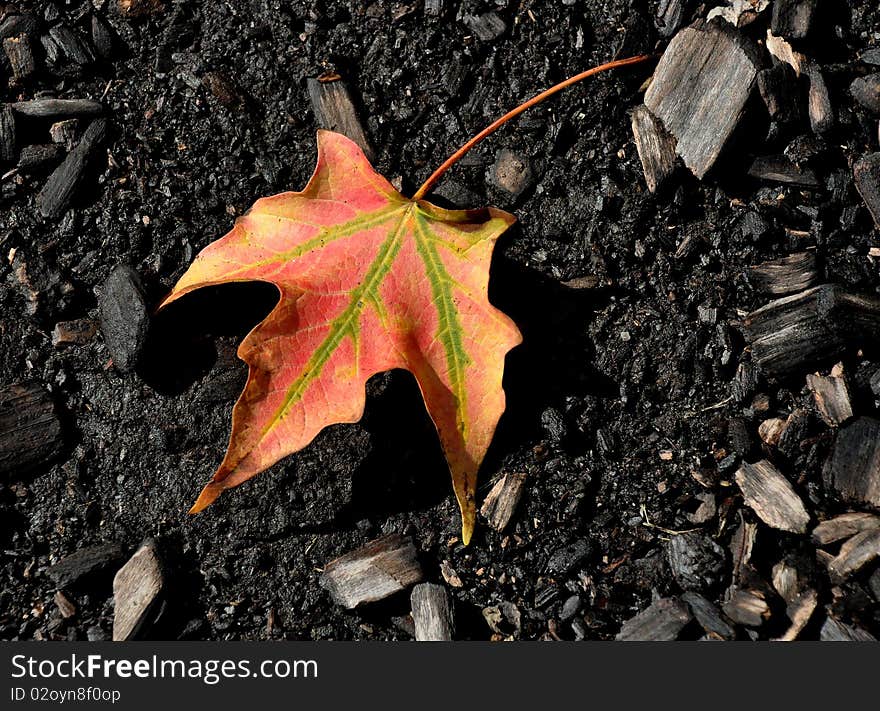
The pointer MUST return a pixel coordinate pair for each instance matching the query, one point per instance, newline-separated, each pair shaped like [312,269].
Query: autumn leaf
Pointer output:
[369,280]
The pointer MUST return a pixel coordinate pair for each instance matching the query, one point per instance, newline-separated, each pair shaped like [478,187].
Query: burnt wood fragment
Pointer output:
[662,621]
[799,611]
[486,27]
[787,275]
[125,318]
[855,554]
[60,188]
[834,630]
[669,17]
[746,607]
[14,25]
[793,19]
[21,57]
[39,158]
[8,150]
[30,431]
[700,90]
[379,569]
[655,145]
[779,169]
[770,495]
[103,38]
[137,587]
[335,111]
[778,88]
[431,613]
[866,172]
[844,526]
[866,90]
[81,566]
[64,132]
[853,468]
[819,106]
[709,617]
[832,398]
[72,45]
[814,326]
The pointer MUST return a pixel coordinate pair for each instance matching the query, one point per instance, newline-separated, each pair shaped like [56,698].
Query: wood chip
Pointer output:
[866,172]
[708,617]
[431,613]
[855,554]
[663,621]
[853,468]
[771,430]
[818,100]
[787,275]
[741,546]
[58,108]
[832,398]
[812,327]
[450,575]
[786,581]
[772,497]
[379,569]
[501,502]
[30,431]
[844,526]
[136,589]
[64,604]
[8,151]
[82,565]
[834,630]
[21,57]
[700,90]
[799,612]
[656,147]
[335,111]
[746,607]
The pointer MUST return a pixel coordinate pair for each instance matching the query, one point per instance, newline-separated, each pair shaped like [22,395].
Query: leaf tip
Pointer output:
[207,497]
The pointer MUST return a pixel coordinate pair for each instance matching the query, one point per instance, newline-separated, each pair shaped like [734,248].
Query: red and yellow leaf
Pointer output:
[369,280]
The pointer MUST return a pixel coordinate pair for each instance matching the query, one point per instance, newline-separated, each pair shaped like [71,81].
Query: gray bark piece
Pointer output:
[855,554]
[835,631]
[431,613]
[787,275]
[376,571]
[30,431]
[501,502]
[656,147]
[700,89]
[136,589]
[663,621]
[335,111]
[772,497]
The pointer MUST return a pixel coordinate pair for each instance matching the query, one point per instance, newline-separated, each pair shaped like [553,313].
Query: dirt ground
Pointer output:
[607,380]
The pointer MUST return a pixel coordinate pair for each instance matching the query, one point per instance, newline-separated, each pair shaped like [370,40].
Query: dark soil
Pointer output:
[607,379]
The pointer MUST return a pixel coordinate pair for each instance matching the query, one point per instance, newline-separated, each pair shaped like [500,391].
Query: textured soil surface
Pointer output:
[620,400]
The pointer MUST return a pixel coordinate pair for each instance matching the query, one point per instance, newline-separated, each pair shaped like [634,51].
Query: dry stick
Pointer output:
[498,123]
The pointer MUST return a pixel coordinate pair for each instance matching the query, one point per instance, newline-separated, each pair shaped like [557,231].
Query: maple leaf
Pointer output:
[369,280]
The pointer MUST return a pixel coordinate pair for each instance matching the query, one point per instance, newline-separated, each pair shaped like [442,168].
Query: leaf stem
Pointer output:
[498,123]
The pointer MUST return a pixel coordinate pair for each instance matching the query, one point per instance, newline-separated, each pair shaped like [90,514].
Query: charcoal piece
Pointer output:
[335,111]
[53,52]
[125,319]
[30,431]
[809,328]
[866,90]
[797,425]
[72,45]
[805,149]
[486,27]
[75,332]
[662,621]
[669,17]
[866,172]
[501,501]
[700,89]
[695,559]
[39,158]
[60,188]
[566,558]
[65,132]
[836,631]
[21,57]
[58,108]
[753,225]
[103,38]
[793,19]
[655,145]
[708,617]
[844,526]
[379,569]
[855,554]
[818,100]
[137,588]
[746,607]
[431,613]
[787,275]
[85,565]
[745,382]
[511,173]
[871,56]
[8,149]
[779,169]
[778,88]
[772,497]
[853,467]
[14,25]
[832,398]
